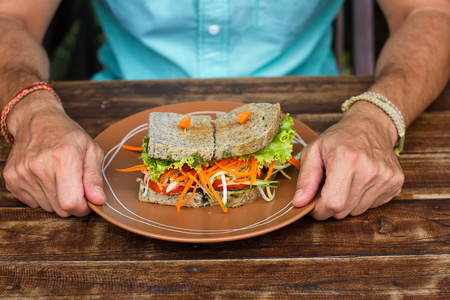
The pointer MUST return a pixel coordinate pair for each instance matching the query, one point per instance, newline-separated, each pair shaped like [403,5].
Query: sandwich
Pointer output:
[195,161]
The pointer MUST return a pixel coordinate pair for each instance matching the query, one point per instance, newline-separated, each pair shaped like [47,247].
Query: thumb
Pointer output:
[309,178]
[92,178]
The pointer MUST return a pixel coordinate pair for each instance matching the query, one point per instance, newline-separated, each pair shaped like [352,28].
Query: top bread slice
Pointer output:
[226,138]
[168,141]
[235,139]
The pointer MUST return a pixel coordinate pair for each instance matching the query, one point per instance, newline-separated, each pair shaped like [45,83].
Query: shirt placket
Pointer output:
[213,38]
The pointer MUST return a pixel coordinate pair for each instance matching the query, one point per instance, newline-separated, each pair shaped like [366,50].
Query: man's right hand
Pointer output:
[53,164]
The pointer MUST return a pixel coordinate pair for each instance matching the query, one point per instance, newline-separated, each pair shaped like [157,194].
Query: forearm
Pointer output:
[413,67]
[22,60]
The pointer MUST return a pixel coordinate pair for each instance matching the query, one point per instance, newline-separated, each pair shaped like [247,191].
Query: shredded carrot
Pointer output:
[294,162]
[185,190]
[135,168]
[236,173]
[253,171]
[185,123]
[182,177]
[269,172]
[215,166]
[193,176]
[185,175]
[245,164]
[174,174]
[214,193]
[132,148]
[179,179]
[202,177]
[239,165]
[230,166]
[169,173]
[189,199]
[243,116]
[212,170]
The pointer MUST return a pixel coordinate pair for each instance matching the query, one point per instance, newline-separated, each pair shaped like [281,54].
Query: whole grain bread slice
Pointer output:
[168,141]
[235,198]
[234,139]
[148,195]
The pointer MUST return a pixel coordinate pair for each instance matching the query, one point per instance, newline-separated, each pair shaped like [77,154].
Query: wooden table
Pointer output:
[398,250]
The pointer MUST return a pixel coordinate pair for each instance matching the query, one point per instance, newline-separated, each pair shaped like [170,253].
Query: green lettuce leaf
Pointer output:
[158,166]
[280,148]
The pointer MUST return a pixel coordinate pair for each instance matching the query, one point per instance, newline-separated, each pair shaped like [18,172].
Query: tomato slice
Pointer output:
[162,189]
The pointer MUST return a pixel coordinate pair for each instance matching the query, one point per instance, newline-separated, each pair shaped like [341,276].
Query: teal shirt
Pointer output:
[150,39]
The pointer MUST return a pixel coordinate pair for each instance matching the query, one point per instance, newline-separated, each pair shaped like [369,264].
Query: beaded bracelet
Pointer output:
[381,97]
[19,96]
[388,107]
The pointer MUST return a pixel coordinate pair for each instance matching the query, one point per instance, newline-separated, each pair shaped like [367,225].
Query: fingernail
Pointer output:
[99,190]
[298,195]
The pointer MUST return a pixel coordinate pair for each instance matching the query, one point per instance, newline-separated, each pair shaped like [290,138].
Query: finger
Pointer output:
[309,178]
[368,202]
[39,196]
[42,186]
[92,176]
[70,195]
[38,175]
[362,191]
[11,183]
[379,201]
[30,190]
[69,186]
[357,203]
[336,190]
[382,192]
[23,196]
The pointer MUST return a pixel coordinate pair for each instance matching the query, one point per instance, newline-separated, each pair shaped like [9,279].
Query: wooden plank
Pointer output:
[426,175]
[397,228]
[429,133]
[324,94]
[374,277]
[296,94]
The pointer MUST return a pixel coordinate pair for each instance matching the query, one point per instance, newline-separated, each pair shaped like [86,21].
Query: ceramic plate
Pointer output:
[195,225]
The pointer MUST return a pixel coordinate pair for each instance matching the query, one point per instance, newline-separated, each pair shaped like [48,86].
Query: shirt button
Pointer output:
[213,29]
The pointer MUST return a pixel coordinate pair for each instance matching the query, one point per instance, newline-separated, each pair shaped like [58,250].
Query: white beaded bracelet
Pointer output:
[388,107]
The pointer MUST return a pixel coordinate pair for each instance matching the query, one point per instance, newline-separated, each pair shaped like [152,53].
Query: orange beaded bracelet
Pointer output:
[19,96]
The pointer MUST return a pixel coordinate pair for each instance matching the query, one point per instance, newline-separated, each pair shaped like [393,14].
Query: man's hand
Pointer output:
[356,156]
[357,159]
[53,163]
